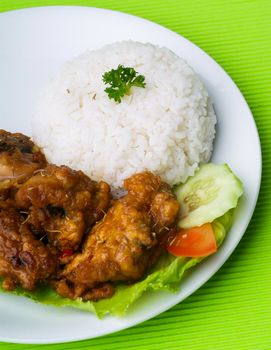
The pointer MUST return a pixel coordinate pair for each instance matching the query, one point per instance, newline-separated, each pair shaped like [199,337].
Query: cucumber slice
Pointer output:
[207,195]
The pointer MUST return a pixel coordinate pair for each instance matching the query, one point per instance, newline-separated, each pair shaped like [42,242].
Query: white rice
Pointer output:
[167,127]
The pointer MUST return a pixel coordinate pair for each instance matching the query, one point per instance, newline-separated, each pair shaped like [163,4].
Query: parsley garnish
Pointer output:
[121,81]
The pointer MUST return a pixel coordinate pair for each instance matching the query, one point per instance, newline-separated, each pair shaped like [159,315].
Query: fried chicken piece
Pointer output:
[24,260]
[74,291]
[63,204]
[148,190]
[19,159]
[123,245]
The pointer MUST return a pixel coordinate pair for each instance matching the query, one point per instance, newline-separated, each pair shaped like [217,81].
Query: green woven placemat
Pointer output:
[233,310]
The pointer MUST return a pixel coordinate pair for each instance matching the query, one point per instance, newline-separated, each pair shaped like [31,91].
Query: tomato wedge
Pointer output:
[193,242]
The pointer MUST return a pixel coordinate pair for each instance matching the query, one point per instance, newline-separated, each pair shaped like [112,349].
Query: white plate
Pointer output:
[33,45]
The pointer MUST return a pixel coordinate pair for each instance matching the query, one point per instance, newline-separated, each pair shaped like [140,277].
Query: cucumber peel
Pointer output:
[209,194]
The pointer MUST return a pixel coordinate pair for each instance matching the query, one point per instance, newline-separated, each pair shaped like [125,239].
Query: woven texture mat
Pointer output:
[233,310]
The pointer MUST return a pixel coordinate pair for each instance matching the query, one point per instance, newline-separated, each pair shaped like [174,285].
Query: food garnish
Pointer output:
[121,80]
[209,194]
[193,242]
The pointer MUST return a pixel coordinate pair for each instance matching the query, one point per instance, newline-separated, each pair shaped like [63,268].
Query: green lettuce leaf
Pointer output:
[165,276]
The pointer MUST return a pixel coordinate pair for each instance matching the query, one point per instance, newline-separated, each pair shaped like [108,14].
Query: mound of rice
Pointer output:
[167,127]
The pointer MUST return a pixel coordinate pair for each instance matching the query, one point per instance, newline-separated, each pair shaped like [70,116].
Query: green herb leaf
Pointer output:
[121,80]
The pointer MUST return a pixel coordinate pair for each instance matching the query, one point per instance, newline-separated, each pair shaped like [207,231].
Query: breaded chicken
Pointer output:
[123,245]
[63,204]
[19,159]
[24,260]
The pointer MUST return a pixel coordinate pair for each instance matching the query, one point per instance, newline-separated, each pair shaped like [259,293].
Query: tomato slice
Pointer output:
[193,242]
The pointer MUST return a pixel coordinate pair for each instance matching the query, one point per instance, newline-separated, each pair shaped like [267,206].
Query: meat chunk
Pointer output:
[142,187]
[123,245]
[54,227]
[19,159]
[63,204]
[101,291]
[24,260]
